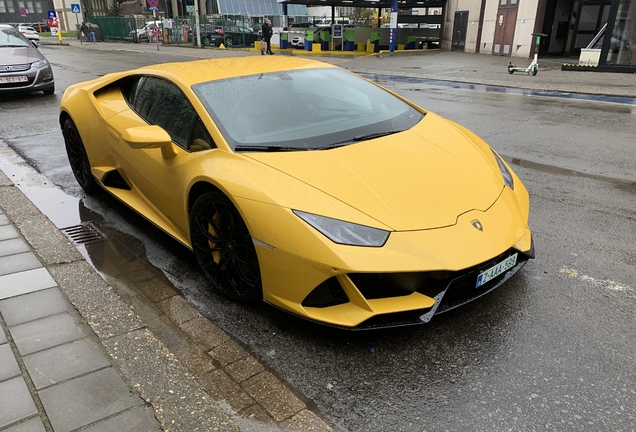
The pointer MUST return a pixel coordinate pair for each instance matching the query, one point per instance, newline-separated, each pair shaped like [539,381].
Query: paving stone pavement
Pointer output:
[81,351]
[54,373]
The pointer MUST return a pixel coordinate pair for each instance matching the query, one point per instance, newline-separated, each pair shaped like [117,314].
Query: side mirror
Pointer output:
[149,137]
[35,43]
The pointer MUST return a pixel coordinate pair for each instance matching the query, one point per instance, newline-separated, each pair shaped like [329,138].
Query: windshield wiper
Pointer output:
[266,148]
[375,135]
[359,138]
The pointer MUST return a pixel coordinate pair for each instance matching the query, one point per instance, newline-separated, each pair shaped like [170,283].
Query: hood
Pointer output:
[17,56]
[422,178]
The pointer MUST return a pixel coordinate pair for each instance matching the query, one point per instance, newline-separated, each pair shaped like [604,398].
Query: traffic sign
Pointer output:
[75,8]
[23,11]
[153,4]
[52,14]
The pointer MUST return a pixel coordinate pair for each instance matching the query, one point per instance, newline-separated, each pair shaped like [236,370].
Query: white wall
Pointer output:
[523,40]
[472,6]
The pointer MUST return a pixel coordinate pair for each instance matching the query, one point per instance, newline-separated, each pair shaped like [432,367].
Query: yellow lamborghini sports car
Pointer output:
[305,185]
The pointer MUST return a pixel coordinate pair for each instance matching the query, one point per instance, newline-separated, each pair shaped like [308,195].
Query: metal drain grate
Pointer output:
[84,234]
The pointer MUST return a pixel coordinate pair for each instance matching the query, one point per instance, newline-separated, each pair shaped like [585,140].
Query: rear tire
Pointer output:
[77,157]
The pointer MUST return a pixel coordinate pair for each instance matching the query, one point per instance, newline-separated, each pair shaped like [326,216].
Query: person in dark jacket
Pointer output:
[267,31]
[83,32]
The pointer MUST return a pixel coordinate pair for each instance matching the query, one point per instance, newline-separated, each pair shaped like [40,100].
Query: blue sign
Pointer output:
[75,8]
[153,4]
[52,14]
[23,11]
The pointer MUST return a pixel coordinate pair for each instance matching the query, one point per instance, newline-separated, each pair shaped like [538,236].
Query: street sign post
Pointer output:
[153,5]
[76,9]
[53,21]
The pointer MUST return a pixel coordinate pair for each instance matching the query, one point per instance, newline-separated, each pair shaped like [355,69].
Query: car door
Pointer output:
[159,180]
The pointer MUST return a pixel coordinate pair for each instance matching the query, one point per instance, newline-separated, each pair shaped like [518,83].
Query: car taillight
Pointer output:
[220,31]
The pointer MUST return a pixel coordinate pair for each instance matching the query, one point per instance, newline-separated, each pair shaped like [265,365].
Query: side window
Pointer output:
[200,138]
[163,104]
[130,87]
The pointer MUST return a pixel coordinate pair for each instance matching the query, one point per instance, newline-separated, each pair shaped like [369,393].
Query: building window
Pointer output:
[3,8]
[10,6]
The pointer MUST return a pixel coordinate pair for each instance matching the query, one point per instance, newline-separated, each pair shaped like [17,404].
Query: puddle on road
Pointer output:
[59,207]
[500,89]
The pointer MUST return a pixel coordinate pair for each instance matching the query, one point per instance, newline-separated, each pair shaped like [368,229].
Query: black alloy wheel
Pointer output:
[77,157]
[224,249]
[229,42]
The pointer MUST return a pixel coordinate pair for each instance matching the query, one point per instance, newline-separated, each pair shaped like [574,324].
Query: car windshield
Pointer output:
[11,37]
[308,109]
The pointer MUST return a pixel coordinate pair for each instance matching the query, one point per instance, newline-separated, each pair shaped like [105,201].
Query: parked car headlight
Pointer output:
[346,233]
[504,171]
[39,64]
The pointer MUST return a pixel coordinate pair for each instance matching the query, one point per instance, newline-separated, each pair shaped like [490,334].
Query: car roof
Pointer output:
[194,72]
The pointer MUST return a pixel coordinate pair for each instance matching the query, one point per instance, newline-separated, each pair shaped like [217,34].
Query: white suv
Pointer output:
[30,33]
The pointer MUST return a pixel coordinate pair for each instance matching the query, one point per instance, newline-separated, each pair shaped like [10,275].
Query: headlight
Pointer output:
[346,233]
[504,171]
[39,64]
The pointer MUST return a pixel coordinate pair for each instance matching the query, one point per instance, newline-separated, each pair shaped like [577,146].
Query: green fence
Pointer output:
[229,30]
[119,28]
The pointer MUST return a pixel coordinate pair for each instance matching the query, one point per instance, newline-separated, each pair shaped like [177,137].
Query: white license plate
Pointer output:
[496,270]
[13,79]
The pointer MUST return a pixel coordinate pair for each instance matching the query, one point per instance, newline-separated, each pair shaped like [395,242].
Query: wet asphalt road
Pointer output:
[551,350]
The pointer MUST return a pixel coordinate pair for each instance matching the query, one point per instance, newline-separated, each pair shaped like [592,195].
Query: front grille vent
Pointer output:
[84,234]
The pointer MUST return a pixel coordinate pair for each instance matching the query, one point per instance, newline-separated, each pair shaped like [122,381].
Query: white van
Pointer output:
[339,20]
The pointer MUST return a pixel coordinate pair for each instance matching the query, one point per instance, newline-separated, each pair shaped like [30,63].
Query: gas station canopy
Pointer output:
[369,4]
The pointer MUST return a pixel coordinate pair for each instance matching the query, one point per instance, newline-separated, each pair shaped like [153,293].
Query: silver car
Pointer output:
[22,67]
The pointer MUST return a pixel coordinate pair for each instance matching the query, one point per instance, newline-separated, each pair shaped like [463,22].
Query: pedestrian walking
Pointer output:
[267,31]
[91,31]
[83,32]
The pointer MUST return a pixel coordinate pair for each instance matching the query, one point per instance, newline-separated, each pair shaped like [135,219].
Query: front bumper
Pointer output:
[414,276]
[37,80]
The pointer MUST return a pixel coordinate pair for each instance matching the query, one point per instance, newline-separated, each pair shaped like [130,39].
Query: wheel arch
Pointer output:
[198,189]
[63,117]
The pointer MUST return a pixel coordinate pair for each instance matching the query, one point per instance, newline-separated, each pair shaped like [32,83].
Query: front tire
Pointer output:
[224,248]
[77,157]
[228,42]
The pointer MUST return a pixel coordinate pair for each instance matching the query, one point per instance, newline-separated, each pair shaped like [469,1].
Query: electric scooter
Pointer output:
[534,66]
